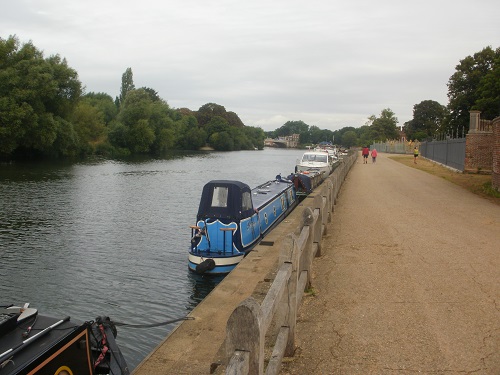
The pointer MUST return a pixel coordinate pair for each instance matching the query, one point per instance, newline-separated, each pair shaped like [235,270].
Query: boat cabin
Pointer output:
[225,199]
[315,157]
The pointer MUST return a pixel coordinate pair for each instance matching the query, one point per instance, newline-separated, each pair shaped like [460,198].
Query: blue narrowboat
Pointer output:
[232,219]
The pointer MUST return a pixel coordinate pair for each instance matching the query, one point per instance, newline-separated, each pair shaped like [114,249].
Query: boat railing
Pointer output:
[252,325]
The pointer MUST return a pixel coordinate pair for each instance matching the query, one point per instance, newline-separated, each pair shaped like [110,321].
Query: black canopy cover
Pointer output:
[232,209]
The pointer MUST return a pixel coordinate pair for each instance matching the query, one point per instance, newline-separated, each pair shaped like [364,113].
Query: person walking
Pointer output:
[365,153]
[415,154]
[374,155]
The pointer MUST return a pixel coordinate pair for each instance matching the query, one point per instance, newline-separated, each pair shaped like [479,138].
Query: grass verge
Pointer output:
[478,184]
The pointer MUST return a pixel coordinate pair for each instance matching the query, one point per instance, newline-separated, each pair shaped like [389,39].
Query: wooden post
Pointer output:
[328,195]
[290,253]
[243,333]
[307,234]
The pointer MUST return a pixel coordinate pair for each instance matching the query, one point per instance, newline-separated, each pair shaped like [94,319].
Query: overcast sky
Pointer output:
[328,63]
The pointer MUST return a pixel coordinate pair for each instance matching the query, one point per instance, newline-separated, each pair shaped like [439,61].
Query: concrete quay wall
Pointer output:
[197,346]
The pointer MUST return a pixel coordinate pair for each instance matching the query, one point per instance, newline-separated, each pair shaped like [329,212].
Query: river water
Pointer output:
[111,238]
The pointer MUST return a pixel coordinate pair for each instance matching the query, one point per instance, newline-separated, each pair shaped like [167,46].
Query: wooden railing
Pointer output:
[248,327]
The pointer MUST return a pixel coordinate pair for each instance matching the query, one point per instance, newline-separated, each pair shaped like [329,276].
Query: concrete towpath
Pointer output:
[409,280]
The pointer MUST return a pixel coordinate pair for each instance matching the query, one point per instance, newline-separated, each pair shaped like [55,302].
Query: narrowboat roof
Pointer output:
[23,359]
[264,193]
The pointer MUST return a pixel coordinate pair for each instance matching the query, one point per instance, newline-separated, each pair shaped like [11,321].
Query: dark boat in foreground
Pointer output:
[31,343]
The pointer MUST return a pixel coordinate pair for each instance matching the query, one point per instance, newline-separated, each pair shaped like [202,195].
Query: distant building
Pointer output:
[289,141]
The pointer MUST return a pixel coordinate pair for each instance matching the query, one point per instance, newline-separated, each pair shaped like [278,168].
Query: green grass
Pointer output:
[479,184]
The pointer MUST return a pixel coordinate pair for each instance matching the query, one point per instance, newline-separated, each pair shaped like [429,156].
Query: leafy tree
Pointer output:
[233,120]
[292,127]
[255,136]
[384,127]
[367,134]
[140,137]
[240,140]
[152,94]
[148,126]
[103,103]
[37,97]
[222,141]
[488,101]
[209,110]
[428,116]
[118,137]
[89,125]
[473,86]
[349,138]
[304,137]
[338,134]
[216,124]
[324,135]
[127,84]
[166,129]
[315,134]
[67,141]
[193,137]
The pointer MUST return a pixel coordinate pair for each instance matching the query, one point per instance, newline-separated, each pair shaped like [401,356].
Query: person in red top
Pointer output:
[374,155]
[365,153]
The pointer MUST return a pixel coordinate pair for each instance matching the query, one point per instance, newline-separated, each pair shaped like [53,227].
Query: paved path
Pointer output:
[409,281]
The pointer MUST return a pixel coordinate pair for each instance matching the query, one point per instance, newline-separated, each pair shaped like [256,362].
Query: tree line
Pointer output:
[381,128]
[44,112]
[475,85]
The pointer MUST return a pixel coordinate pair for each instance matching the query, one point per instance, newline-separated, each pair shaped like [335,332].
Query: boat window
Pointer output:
[322,158]
[246,203]
[219,197]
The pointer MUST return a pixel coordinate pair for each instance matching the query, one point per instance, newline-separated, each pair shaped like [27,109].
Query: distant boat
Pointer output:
[318,160]
[232,219]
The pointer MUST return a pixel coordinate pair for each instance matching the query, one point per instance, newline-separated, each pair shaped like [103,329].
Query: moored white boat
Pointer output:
[316,160]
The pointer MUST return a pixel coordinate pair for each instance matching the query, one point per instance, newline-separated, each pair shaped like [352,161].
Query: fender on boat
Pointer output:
[206,265]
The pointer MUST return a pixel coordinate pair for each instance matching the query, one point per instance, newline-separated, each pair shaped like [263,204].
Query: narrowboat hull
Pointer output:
[224,234]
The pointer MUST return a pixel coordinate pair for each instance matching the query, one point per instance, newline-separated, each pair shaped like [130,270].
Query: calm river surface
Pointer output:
[111,237]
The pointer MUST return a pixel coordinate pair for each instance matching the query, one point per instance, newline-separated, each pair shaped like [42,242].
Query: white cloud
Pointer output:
[327,63]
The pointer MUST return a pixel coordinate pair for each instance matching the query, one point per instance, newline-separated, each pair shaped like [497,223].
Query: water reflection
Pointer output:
[201,286]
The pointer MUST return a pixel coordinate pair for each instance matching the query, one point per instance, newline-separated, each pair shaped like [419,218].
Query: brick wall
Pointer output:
[496,154]
[479,146]
[478,152]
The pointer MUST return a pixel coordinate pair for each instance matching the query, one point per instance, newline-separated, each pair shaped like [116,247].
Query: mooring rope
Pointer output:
[153,324]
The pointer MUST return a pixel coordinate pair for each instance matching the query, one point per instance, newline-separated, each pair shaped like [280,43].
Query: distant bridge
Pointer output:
[291,141]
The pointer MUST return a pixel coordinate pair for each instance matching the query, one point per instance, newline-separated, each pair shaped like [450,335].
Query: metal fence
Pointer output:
[450,152]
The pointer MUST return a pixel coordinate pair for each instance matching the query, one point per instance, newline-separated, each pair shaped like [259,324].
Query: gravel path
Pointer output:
[409,280]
